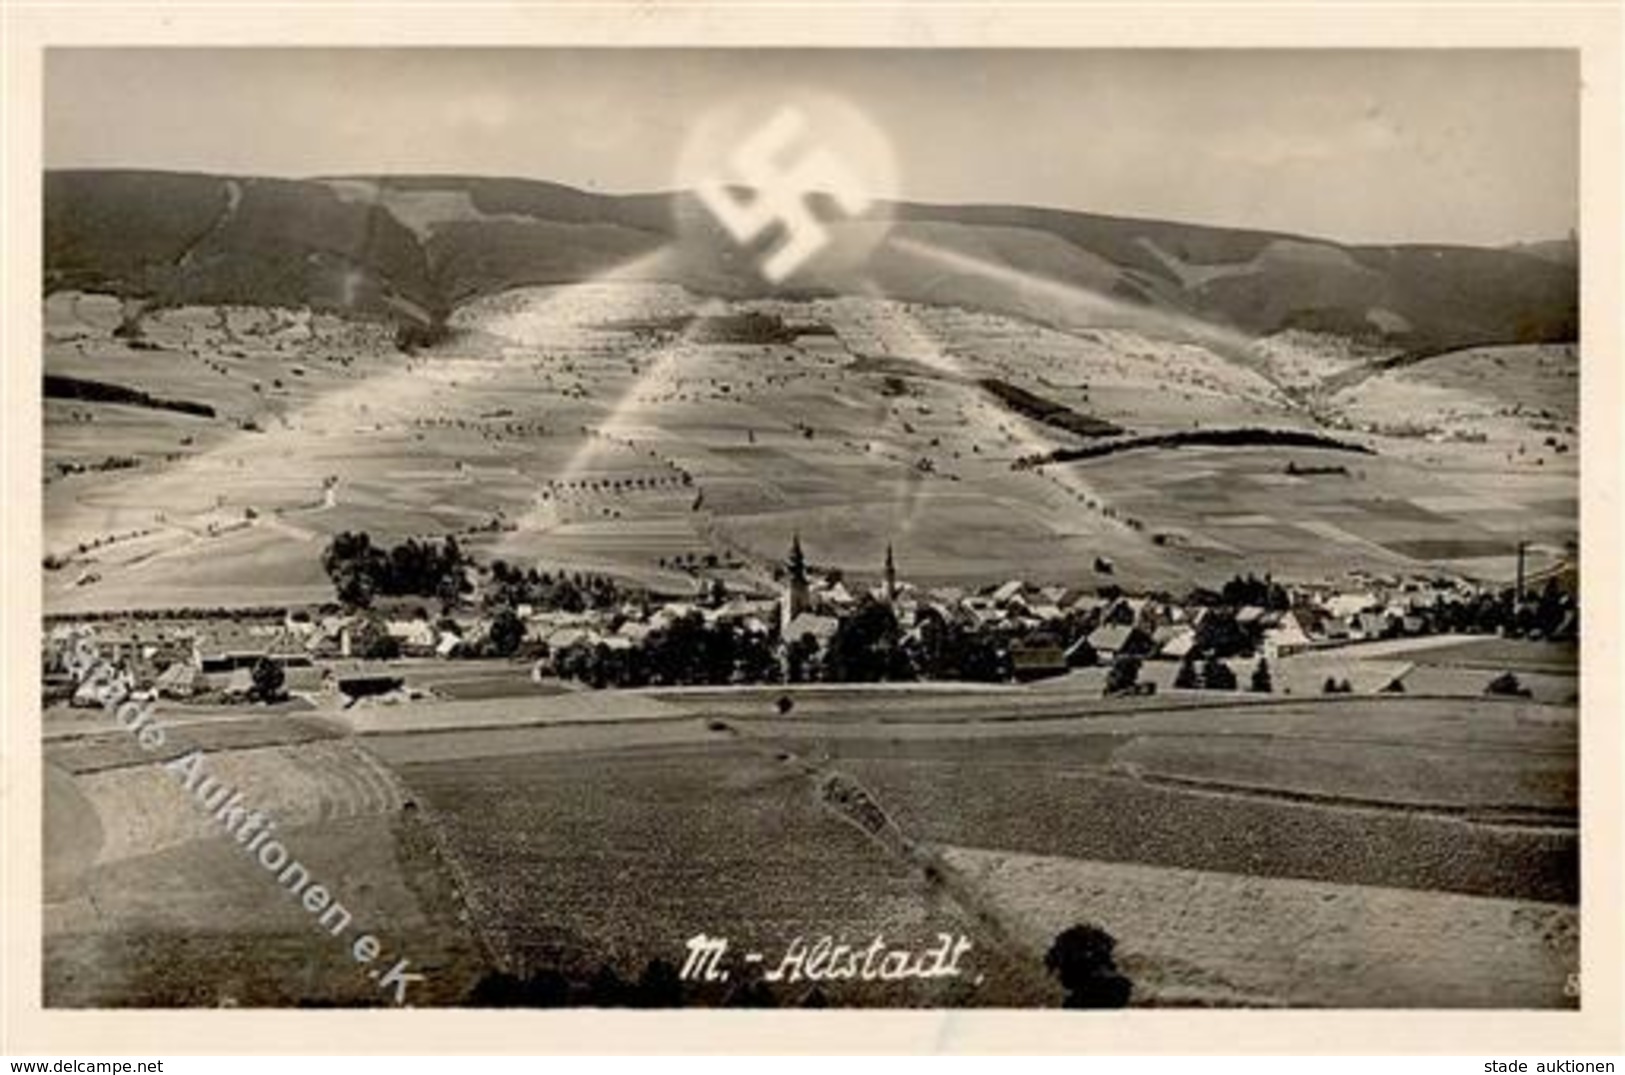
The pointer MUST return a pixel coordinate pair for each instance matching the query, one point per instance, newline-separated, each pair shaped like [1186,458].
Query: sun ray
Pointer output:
[404,388]
[1029,435]
[1088,305]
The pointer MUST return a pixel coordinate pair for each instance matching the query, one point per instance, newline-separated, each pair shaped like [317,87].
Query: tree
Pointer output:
[268,680]
[354,567]
[1217,676]
[1262,682]
[1082,958]
[1082,655]
[867,647]
[949,650]
[1123,675]
[799,654]
[371,640]
[1220,635]
[1506,685]
[506,634]
[659,986]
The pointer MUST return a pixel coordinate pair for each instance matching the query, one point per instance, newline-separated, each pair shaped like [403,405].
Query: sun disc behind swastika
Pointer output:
[791,182]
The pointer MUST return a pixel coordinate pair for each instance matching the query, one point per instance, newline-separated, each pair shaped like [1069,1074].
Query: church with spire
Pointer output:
[797,591]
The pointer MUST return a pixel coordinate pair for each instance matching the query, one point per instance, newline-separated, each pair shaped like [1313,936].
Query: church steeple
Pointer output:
[891,576]
[797,562]
[796,597]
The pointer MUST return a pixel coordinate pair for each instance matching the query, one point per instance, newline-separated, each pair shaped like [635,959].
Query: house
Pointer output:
[667,615]
[1123,612]
[1031,661]
[228,647]
[1367,625]
[179,680]
[1345,605]
[89,692]
[837,595]
[1118,640]
[1080,654]
[1286,637]
[1053,595]
[145,649]
[1010,591]
[821,628]
[564,638]
[1336,629]
[1076,600]
[414,635]
[634,632]
[1178,643]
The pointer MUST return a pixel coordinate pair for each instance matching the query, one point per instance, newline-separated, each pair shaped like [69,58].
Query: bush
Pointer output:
[1216,675]
[507,632]
[1262,682]
[1507,685]
[1082,958]
[1124,674]
[268,680]
[371,640]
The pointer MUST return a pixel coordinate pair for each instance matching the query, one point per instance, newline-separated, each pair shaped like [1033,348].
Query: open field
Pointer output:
[566,855]
[1558,658]
[587,428]
[1358,820]
[200,924]
[1192,937]
[149,904]
[1120,817]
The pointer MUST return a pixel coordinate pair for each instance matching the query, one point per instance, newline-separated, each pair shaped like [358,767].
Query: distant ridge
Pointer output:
[411,248]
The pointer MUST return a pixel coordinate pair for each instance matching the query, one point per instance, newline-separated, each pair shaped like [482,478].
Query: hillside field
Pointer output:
[592,428]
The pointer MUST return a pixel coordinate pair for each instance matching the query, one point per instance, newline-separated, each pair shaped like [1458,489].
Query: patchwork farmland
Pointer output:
[936,603]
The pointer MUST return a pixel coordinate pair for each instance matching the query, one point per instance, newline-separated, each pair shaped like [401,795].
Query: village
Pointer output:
[1252,634]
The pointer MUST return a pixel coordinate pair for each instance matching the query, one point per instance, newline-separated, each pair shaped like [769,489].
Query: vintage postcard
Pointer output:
[893,516]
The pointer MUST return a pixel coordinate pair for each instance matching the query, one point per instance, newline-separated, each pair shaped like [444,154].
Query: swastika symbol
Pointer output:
[778,195]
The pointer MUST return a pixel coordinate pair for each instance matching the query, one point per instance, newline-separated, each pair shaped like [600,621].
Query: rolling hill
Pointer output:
[412,248]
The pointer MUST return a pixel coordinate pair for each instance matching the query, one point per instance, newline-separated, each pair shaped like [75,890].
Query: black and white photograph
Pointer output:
[710,527]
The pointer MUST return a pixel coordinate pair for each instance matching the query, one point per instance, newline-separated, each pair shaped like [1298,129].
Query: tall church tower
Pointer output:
[795,599]
[891,576]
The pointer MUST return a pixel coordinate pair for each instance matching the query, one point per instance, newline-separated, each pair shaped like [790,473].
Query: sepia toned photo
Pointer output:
[694,528]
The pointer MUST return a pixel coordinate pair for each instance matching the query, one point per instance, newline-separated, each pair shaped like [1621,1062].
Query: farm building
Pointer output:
[229,647]
[1118,640]
[1031,661]
[416,636]
[1286,636]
